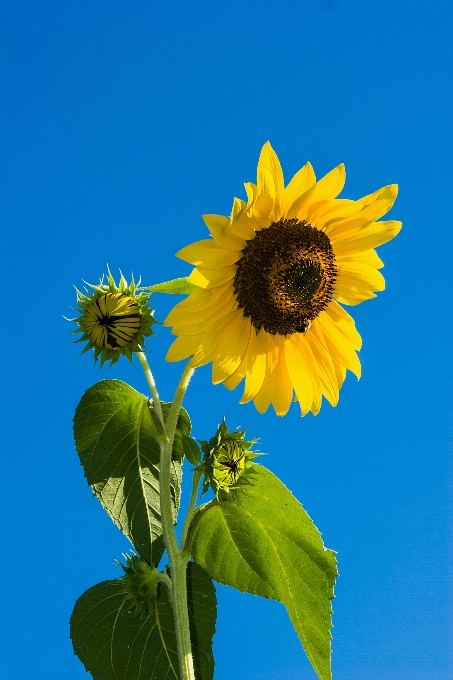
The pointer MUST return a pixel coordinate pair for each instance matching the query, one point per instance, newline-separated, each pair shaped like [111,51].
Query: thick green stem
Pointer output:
[152,385]
[175,408]
[181,613]
[178,562]
[197,475]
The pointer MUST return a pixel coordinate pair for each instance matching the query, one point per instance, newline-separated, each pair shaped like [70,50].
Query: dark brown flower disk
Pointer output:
[285,277]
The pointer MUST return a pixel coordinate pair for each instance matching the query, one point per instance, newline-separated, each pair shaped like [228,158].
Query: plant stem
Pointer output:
[175,408]
[178,562]
[197,475]
[152,385]
[178,597]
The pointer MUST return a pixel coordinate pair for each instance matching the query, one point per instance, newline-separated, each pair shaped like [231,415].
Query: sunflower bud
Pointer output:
[140,584]
[114,319]
[227,456]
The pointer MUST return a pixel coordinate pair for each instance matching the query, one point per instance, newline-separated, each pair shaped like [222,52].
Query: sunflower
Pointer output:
[114,320]
[272,281]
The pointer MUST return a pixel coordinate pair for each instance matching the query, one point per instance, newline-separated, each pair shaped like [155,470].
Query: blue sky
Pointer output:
[123,122]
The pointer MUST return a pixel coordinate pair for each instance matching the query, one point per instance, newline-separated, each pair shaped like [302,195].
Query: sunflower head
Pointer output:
[140,584]
[113,319]
[272,281]
[227,456]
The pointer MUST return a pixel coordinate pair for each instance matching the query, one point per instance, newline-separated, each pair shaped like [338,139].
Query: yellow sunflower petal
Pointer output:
[256,366]
[369,257]
[184,347]
[211,278]
[337,363]
[298,209]
[263,206]
[231,349]
[207,253]
[324,367]
[197,301]
[206,349]
[280,382]
[369,237]
[326,213]
[268,164]
[252,192]
[357,282]
[187,318]
[219,226]
[241,224]
[204,321]
[235,378]
[339,346]
[344,323]
[387,193]
[277,387]
[302,181]
[299,371]
[370,211]
[246,224]
[238,207]
[263,398]
[215,341]
[329,186]
[314,209]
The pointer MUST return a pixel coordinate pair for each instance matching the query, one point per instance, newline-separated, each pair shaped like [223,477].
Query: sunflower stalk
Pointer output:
[177,558]
[152,386]
[196,479]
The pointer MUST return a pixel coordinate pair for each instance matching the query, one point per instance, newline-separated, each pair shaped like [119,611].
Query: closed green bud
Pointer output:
[114,319]
[140,584]
[227,456]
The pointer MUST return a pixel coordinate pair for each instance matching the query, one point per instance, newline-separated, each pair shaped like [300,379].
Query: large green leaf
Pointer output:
[118,448]
[260,540]
[114,644]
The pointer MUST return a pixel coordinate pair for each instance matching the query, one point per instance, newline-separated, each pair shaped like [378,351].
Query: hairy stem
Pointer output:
[178,564]
[175,408]
[152,385]
[197,475]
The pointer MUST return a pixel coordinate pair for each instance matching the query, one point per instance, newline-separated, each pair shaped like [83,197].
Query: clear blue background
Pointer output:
[122,123]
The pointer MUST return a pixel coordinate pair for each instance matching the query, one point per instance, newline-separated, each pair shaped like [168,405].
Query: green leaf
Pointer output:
[175,287]
[260,540]
[115,644]
[116,441]
[191,450]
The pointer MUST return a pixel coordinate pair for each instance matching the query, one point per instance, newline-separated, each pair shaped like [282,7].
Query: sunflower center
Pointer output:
[285,277]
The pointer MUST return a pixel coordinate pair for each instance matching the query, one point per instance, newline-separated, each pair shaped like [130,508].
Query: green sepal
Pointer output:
[175,287]
[115,643]
[191,450]
[273,550]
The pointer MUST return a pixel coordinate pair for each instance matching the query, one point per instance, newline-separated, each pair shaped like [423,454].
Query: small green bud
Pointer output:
[140,584]
[227,456]
[114,319]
